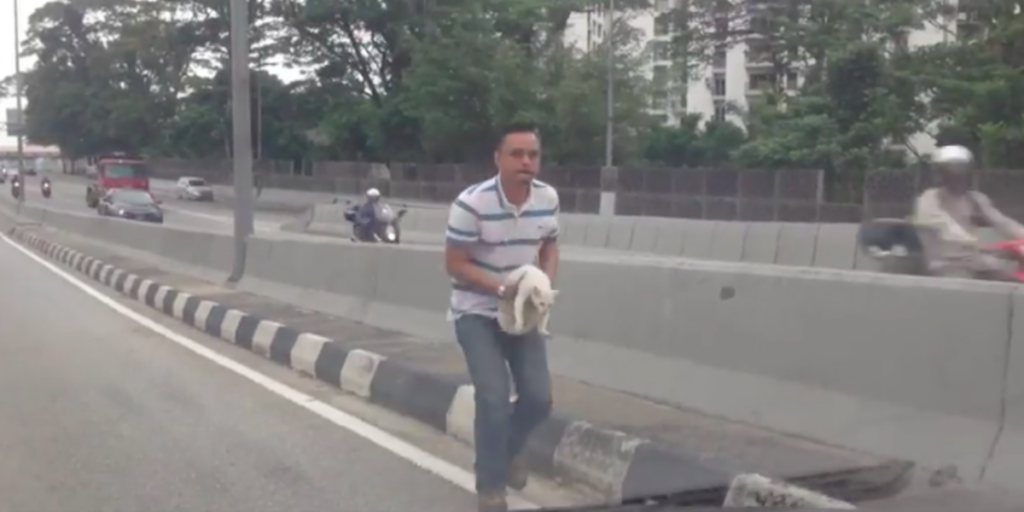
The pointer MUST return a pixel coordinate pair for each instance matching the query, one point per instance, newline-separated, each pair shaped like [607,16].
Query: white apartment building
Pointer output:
[734,77]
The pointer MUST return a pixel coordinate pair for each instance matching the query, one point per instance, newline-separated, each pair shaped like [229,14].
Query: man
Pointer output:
[366,214]
[947,218]
[494,227]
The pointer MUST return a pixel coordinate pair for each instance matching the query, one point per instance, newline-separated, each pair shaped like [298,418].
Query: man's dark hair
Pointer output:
[515,128]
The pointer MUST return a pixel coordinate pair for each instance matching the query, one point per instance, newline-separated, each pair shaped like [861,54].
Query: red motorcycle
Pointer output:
[1014,251]
[896,246]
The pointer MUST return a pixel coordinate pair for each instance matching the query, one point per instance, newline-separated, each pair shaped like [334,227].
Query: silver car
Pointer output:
[194,189]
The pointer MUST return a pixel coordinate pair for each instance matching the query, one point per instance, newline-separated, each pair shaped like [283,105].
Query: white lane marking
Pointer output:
[435,465]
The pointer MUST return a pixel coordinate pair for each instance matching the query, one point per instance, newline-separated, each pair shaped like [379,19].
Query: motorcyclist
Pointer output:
[366,214]
[948,217]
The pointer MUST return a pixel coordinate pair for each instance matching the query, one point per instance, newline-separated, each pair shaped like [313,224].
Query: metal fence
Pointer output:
[714,194]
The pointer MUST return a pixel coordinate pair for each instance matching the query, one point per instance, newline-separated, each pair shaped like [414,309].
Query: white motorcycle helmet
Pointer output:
[954,155]
[372,194]
[954,165]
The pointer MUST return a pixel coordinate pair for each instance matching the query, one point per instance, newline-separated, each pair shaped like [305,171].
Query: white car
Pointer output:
[194,189]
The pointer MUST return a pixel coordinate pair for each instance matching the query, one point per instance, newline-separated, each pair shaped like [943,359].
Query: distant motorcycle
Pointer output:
[47,188]
[16,187]
[896,246]
[384,228]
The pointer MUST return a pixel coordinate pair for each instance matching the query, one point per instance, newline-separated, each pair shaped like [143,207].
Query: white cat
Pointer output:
[531,307]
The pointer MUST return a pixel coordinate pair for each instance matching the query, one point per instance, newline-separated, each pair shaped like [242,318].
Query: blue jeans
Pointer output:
[501,428]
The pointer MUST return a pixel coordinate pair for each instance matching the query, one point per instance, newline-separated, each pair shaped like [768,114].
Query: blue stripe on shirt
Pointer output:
[550,212]
[462,204]
[497,269]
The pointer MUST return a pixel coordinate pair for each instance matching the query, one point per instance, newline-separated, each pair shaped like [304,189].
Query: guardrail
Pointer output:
[924,369]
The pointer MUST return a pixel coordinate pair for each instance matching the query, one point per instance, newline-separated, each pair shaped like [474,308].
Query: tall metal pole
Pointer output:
[19,86]
[609,136]
[241,128]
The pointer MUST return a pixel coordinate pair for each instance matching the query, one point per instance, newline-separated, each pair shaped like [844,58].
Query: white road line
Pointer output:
[437,466]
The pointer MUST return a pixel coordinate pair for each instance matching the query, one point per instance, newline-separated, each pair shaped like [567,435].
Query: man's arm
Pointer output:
[1006,226]
[464,231]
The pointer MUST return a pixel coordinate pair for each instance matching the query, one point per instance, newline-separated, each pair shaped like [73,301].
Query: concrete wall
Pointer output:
[924,369]
[807,245]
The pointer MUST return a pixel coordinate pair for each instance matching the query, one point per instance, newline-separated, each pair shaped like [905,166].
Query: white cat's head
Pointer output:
[543,299]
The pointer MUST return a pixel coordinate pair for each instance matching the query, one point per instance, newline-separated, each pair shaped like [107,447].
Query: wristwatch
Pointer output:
[501,291]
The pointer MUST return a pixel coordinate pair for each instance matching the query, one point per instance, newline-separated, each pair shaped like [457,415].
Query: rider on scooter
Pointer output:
[366,215]
[947,218]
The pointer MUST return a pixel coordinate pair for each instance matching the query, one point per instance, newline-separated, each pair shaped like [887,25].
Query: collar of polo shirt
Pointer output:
[503,199]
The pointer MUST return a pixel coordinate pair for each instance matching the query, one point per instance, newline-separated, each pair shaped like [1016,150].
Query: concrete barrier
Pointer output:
[831,246]
[916,368]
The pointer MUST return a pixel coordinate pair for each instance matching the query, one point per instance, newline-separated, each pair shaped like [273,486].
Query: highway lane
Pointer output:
[100,413]
[69,196]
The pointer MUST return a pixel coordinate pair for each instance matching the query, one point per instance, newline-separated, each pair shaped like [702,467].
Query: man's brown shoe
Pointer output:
[491,501]
[518,473]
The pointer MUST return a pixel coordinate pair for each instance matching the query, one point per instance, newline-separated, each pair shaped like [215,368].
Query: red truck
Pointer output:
[116,170]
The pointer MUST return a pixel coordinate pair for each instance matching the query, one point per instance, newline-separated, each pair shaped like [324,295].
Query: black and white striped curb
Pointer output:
[757,491]
[620,466]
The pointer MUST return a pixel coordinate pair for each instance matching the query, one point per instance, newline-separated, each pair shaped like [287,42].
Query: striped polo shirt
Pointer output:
[500,237]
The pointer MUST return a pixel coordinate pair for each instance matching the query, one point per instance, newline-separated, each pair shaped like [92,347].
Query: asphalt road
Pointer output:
[100,413]
[69,196]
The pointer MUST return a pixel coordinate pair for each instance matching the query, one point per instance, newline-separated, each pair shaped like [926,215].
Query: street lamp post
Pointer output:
[17,95]
[241,128]
[609,135]
[609,174]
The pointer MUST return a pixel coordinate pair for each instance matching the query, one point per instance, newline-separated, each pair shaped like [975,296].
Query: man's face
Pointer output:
[957,177]
[519,156]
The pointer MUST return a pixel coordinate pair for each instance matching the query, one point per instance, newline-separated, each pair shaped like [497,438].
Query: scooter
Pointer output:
[46,188]
[16,187]
[385,228]
[897,247]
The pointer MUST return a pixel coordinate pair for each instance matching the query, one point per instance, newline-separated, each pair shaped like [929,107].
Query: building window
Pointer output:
[762,81]
[759,53]
[659,77]
[721,28]
[719,58]
[662,50]
[718,84]
[761,25]
[719,110]
[663,24]
[792,81]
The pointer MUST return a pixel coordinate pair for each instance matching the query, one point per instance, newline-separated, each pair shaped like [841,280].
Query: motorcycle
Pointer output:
[385,227]
[16,187]
[896,245]
[46,188]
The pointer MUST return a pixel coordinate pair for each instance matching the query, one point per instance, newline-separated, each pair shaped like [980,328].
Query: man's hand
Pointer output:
[509,289]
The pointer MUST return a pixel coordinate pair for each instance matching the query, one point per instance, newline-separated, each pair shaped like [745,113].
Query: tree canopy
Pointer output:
[432,80]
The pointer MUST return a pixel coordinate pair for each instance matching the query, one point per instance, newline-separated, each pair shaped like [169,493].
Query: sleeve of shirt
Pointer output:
[463,225]
[552,235]
[1004,225]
